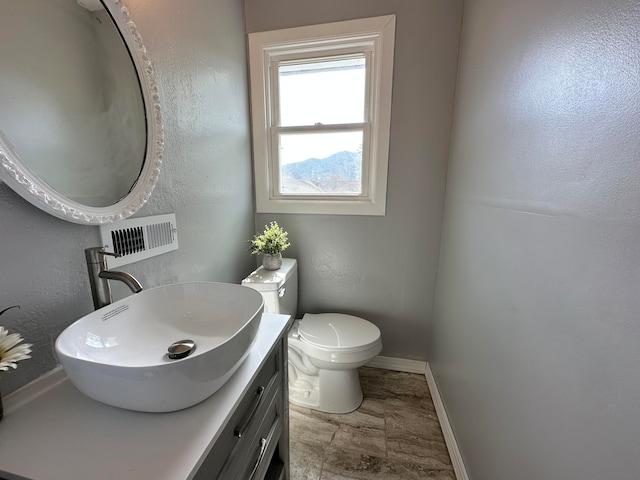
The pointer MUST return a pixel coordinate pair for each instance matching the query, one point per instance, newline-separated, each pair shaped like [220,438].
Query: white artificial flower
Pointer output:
[10,351]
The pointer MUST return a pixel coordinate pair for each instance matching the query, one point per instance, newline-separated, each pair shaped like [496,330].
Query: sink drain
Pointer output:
[181,349]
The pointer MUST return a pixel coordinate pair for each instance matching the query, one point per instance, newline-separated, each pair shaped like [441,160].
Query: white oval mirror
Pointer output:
[80,122]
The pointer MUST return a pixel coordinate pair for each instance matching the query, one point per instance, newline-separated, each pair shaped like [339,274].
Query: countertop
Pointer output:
[51,431]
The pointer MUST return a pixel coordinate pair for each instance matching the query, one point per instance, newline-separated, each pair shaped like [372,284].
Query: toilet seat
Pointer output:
[338,332]
[334,340]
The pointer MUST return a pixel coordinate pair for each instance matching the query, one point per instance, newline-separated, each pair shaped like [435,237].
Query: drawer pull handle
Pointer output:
[242,429]
[263,450]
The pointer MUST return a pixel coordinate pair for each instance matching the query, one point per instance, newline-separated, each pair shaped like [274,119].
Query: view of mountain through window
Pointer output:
[322,110]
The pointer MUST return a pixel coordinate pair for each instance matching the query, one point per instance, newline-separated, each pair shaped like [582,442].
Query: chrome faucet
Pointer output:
[99,276]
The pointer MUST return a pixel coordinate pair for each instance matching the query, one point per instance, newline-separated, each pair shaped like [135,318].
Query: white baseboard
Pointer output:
[398,364]
[449,438]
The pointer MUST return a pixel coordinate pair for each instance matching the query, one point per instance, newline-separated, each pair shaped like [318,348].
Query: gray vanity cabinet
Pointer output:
[254,444]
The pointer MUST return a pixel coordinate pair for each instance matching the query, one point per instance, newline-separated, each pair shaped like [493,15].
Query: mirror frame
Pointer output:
[26,183]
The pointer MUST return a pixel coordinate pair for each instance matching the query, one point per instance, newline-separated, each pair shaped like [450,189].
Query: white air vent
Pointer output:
[139,238]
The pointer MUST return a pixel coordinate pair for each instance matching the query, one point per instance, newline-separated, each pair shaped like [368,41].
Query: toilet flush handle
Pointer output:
[282,292]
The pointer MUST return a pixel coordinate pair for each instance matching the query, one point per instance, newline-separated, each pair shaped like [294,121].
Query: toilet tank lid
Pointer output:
[337,330]
[269,280]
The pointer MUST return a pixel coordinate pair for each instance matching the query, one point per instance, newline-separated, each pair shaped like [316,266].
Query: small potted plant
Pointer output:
[10,351]
[270,244]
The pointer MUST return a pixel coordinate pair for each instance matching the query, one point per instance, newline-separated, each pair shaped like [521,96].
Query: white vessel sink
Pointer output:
[118,354]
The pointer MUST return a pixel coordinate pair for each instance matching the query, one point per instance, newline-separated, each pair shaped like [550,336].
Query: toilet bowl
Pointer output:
[325,350]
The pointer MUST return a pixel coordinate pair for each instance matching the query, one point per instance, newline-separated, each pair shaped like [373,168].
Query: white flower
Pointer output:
[10,351]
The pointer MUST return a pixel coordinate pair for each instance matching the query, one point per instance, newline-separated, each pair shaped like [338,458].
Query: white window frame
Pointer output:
[372,37]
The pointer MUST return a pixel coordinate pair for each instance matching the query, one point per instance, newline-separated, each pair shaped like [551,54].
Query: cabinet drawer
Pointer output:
[244,422]
[266,413]
[257,453]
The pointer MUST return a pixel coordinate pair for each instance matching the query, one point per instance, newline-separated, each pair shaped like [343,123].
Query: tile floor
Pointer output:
[394,435]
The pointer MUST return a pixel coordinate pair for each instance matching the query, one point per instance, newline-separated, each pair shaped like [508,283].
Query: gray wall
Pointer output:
[535,344]
[198,48]
[384,268]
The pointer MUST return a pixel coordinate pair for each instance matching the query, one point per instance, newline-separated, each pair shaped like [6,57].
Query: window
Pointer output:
[321,110]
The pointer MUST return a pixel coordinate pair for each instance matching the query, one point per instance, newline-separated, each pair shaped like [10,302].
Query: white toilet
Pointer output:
[325,350]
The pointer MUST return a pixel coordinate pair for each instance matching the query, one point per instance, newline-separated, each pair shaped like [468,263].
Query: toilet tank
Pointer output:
[279,288]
